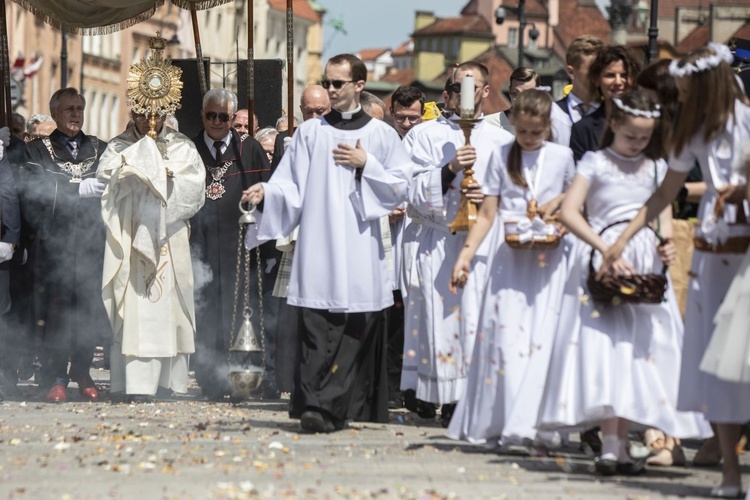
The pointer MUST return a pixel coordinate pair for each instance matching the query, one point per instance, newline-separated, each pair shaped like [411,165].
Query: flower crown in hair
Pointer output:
[653,113]
[721,54]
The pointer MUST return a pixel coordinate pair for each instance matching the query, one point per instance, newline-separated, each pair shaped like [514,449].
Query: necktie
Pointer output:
[73,147]
[582,108]
[217,147]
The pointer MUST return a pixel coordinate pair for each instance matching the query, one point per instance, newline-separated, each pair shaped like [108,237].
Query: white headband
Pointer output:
[721,53]
[654,113]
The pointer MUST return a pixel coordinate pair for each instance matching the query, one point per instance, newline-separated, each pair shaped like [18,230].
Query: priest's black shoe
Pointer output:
[634,468]
[141,398]
[316,421]
[446,413]
[606,466]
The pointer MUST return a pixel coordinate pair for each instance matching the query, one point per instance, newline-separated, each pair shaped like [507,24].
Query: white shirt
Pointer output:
[210,143]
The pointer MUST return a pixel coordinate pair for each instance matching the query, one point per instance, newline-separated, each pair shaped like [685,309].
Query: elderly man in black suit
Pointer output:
[233,163]
[60,198]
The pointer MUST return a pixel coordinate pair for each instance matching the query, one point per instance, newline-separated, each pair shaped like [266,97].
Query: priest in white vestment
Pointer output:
[440,326]
[340,175]
[154,186]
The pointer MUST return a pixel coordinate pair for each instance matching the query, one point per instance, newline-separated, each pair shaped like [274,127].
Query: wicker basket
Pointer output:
[735,244]
[548,242]
[635,289]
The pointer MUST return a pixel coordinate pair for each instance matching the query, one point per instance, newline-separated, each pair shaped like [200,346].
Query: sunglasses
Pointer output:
[336,84]
[456,88]
[410,119]
[223,117]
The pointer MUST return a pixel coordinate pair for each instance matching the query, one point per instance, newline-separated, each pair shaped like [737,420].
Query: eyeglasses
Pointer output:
[223,117]
[410,119]
[456,88]
[317,112]
[337,84]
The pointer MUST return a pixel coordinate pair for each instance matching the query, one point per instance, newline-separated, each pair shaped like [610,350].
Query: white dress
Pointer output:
[520,309]
[617,360]
[440,326]
[712,273]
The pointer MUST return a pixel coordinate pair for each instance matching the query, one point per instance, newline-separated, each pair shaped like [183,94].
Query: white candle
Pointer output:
[467,97]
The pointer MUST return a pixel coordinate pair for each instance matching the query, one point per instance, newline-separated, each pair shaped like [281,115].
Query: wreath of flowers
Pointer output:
[721,54]
[653,113]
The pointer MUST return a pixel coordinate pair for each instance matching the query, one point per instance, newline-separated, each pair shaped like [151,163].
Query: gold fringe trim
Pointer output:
[81,29]
[199,4]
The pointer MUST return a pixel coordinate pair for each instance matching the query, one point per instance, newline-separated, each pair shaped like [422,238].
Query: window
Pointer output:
[512,37]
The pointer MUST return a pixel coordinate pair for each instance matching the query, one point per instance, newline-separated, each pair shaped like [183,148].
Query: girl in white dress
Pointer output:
[712,127]
[614,364]
[521,301]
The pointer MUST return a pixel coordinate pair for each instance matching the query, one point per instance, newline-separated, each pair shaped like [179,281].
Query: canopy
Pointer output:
[99,17]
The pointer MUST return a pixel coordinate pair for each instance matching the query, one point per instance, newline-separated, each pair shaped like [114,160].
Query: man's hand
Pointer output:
[253,194]
[474,194]
[6,251]
[734,193]
[91,188]
[352,156]
[466,156]
[397,215]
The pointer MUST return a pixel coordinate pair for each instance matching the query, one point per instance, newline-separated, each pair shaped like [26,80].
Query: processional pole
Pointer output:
[251,66]
[198,51]
[290,65]
[7,110]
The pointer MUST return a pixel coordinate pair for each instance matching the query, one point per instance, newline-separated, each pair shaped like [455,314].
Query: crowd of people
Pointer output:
[551,314]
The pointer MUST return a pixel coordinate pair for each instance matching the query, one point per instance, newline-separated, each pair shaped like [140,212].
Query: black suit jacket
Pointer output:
[587,132]
[10,213]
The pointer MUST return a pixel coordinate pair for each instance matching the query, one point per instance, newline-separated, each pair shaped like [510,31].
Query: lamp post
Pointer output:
[653,33]
[519,11]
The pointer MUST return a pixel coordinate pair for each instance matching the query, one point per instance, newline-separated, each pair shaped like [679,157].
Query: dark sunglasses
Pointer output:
[223,117]
[337,84]
[456,88]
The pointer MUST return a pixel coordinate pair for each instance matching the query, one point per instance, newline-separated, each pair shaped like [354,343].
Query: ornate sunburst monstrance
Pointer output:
[154,85]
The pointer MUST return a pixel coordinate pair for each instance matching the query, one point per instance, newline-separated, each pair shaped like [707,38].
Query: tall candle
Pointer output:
[467,97]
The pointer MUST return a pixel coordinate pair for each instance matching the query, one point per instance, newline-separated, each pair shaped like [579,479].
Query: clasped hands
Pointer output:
[614,263]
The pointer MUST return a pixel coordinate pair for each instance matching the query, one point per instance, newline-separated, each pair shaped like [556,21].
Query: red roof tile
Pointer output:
[580,17]
[301,8]
[403,49]
[533,7]
[402,77]
[698,37]
[372,54]
[453,25]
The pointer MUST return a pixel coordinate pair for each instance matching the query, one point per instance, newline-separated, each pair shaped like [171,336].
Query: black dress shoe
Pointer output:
[316,421]
[606,466]
[632,468]
[446,413]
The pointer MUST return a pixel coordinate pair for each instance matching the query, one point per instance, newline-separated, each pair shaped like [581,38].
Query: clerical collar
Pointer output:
[348,120]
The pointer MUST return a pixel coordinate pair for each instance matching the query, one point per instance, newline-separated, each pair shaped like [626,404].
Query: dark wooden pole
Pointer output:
[251,66]
[6,118]
[198,52]
[653,33]
[290,65]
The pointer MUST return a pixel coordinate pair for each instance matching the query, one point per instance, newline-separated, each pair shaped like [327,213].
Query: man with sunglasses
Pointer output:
[341,174]
[444,322]
[233,162]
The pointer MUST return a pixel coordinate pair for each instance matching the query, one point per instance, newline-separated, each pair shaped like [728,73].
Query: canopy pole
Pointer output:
[290,65]
[251,66]
[6,118]
[198,51]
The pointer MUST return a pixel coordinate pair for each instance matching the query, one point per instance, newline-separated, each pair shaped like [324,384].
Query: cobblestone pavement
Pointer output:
[189,448]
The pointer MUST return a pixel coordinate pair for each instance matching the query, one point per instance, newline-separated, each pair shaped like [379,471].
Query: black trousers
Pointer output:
[342,368]
[395,360]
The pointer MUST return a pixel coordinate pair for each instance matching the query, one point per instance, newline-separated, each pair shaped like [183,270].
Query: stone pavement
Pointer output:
[189,448]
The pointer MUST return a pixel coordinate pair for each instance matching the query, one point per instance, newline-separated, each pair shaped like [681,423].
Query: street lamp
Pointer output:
[520,11]
[653,33]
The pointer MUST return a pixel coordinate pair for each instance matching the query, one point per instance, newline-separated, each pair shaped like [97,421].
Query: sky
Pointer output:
[377,23]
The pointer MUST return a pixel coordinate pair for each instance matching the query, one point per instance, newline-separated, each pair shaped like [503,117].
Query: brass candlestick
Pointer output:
[467,210]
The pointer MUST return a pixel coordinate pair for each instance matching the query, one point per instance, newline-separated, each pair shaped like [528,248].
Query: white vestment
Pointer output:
[339,261]
[148,276]
[439,326]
